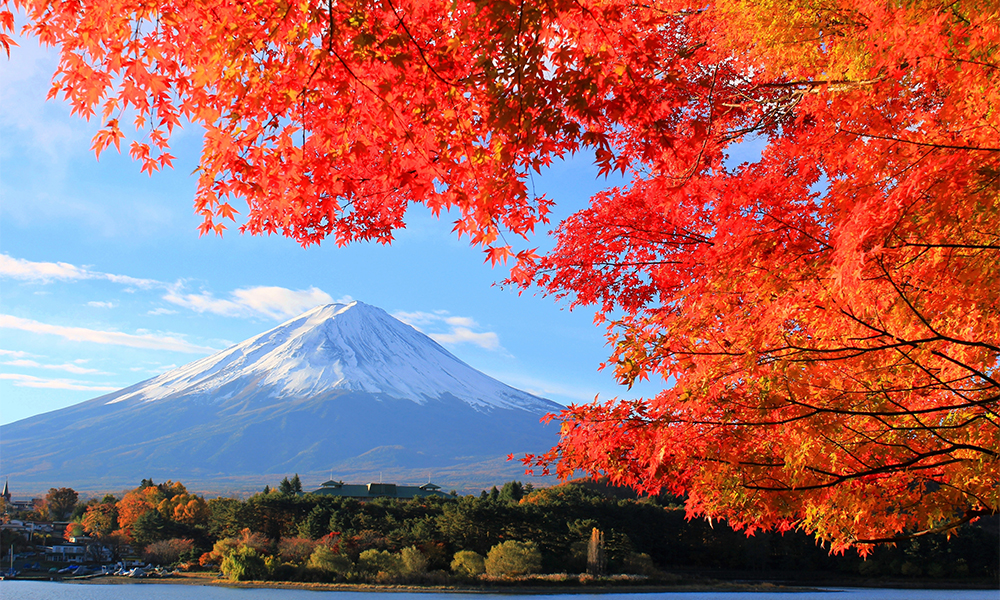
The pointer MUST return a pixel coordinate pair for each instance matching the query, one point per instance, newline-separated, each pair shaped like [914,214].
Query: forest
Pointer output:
[583,529]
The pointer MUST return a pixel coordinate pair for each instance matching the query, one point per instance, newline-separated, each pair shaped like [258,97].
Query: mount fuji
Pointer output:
[343,390]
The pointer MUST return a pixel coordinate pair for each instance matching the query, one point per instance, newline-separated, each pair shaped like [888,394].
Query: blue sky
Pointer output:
[105,282]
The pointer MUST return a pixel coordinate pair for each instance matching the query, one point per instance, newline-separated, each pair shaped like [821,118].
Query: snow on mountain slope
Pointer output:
[348,347]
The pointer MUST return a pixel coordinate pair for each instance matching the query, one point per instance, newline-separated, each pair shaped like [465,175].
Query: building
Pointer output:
[16,505]
[371,491]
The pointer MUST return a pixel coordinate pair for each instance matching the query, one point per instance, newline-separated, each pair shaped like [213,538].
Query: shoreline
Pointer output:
[527,587]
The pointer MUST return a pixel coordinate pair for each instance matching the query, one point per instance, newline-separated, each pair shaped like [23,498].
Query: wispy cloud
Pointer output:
[68,367]
[14,353]
[549,389]
[162,311]
[272,302]
[459,329]
[99,304]
[47,272]
[116,338]
[59,384]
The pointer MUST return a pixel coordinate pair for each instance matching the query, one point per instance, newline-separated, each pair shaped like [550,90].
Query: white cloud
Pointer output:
[81,334]
[14,353]
[59,384]
[273,302]
[47,272]
[460,329]
[463,335]
[99,304]
[71,368]
[162,311]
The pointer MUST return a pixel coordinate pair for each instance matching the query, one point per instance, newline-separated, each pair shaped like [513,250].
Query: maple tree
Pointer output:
[825,313]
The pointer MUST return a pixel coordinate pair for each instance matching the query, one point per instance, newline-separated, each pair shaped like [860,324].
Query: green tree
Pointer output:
[296,484]
[380,563]
[329,564]
[512,491]
[244,564]
[512,558]
[60,502]
[316,523]
[468,564]
[414,561]
[151,527]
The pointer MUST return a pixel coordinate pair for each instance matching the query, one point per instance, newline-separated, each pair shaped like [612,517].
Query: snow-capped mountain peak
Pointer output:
[347,347]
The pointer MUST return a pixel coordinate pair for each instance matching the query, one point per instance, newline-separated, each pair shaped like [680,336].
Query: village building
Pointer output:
[371,491]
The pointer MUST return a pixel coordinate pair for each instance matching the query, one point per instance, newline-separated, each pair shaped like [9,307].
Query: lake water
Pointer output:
[35,590]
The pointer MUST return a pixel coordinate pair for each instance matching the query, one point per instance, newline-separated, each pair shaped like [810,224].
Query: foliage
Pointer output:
[414,561]
[227,546]
[380,563]
[295,550]
[151,527]
[293,486]
[167,552]
[73,530]
[403,539]
[135,504]
[468,564]
[101,519]
[244,564]
[512,558]
[329,563]
[59,502]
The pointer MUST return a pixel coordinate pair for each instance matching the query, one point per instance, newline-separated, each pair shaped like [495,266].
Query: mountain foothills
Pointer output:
[346,389]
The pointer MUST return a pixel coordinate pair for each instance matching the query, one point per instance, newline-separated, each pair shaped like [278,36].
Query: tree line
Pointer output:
[284,534]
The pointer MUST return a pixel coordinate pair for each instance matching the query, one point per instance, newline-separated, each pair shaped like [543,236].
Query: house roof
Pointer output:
[378,490]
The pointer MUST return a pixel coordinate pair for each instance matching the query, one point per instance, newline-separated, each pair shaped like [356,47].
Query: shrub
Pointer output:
[327,563]
[296,550]
[414,561]
[468,564]
[167,552]
[639,564]
[244,564]
[513,558]
[380,563]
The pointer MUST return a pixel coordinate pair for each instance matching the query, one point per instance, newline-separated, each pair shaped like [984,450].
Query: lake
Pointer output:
[36,590]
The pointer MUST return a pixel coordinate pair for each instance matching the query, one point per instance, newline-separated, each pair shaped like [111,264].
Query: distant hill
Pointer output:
[341,390]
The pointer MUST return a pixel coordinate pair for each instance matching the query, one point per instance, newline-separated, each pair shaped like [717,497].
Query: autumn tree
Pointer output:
[101,519]
[824,312]
[59,502]
[73,530]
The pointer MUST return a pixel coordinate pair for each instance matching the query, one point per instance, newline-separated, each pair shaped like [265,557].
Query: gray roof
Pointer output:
[378,490]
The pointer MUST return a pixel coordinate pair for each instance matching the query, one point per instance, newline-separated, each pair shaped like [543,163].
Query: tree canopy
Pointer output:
[826,313]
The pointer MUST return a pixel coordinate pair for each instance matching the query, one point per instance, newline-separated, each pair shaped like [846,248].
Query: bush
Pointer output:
[639,564]
[167,552]
[328,564]
[244,564]
[513,558]
[414,561]
[296,550]
[468,564]
[380,563]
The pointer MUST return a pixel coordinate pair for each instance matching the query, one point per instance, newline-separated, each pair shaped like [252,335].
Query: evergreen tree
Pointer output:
[296,484]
